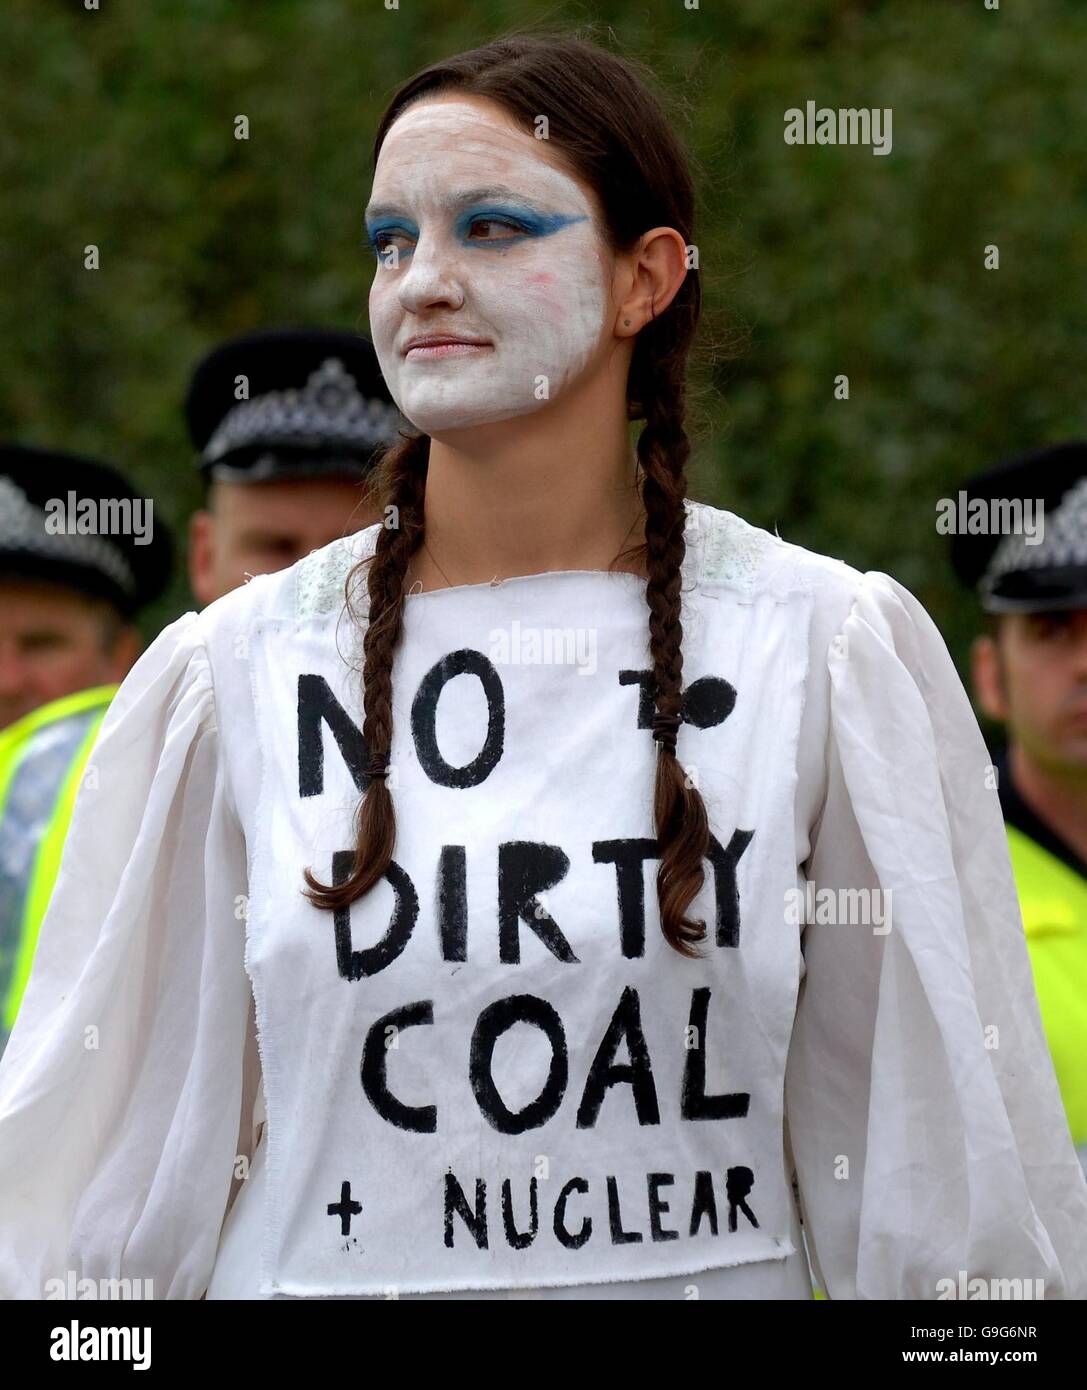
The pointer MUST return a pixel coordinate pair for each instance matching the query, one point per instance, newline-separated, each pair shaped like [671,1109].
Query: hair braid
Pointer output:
[400,482]
[680,816]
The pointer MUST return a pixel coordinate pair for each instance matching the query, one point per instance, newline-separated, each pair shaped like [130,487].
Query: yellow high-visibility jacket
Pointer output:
[1053,901]
[42,762]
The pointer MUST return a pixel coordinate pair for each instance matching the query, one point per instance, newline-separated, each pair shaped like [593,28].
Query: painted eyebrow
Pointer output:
[492,192]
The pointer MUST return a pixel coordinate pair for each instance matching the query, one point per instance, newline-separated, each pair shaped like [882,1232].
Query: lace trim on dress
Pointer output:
[721,548]
[729,549]
[321,576]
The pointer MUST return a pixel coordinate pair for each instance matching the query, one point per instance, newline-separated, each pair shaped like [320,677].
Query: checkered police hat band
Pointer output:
[329,411]
[23,529]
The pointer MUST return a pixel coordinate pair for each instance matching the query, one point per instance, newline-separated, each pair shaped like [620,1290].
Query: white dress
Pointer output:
[492,1077]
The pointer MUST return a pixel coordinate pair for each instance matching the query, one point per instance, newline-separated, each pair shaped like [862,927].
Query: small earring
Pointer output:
[626,323]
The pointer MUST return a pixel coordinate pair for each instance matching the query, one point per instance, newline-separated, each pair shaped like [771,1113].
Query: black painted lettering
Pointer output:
[628,856]
[654,1182]
[373,1070]
[495,1020]
[318,706]
[738,1183]
[707,701]
[456,1203]
[704,1202]
[352,964]
[615,1218]
[695,1104]
[424,719]
[453,903]
[520,1240]
[565,1237]
[525,869]
[625,1026]
[727,891]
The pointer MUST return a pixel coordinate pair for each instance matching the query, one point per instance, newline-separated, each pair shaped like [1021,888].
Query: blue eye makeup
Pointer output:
[515,223]
[382,234]
[523,222]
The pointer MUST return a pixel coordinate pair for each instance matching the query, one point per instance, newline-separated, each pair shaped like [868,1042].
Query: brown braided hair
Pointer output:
[613,133]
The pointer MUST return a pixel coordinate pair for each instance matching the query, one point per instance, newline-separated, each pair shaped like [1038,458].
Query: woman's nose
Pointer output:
[430,276]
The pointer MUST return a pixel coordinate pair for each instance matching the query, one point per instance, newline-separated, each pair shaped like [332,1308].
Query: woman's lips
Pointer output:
[425,351]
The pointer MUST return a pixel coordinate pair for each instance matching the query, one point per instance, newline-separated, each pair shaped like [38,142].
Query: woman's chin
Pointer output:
[450,424]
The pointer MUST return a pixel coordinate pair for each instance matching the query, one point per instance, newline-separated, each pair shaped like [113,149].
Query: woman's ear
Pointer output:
[658,267]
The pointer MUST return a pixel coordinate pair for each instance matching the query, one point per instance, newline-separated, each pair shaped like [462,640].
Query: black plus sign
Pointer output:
[345,1209]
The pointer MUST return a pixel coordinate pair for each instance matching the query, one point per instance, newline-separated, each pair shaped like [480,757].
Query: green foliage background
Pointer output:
[117,128]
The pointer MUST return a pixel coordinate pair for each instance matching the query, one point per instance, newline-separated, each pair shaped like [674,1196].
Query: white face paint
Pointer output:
[494,244]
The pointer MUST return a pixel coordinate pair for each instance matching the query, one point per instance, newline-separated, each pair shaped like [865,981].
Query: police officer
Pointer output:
[1030,673]
[80,552]
[288,424]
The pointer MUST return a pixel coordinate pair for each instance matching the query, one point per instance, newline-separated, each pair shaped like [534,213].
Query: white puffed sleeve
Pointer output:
[923,1113]
[121,1085]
